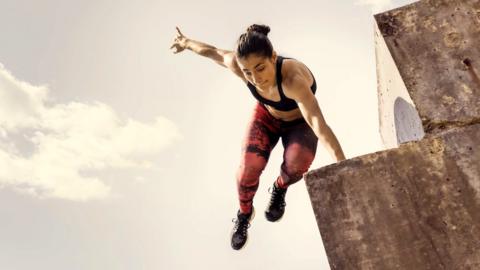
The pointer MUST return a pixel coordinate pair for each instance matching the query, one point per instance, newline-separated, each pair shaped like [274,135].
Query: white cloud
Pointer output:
[62,140]
[376,5]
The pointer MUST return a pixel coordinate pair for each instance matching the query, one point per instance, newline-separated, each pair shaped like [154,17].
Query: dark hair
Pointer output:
[255,40]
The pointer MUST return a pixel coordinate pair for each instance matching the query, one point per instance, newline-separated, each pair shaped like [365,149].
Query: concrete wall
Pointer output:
[435,47]
[413,207]
[398,119]
[416,206]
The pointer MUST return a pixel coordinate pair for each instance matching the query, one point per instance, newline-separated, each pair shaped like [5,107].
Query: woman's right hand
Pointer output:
[179,43]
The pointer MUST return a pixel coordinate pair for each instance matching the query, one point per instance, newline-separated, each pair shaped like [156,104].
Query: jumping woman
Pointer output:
[286,109]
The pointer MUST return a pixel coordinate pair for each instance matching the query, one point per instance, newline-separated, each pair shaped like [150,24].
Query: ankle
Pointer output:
[279,185]
[246,212]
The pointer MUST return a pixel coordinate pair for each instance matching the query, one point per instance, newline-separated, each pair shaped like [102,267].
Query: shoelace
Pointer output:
[278,196]
[243,224]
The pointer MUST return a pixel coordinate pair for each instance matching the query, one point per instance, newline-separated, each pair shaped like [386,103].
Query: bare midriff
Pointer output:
[284,115]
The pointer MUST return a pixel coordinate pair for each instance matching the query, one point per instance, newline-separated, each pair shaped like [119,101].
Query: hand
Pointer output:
[179,43]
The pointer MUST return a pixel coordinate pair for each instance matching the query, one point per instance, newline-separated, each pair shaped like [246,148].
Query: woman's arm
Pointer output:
[222,57]
[297,88]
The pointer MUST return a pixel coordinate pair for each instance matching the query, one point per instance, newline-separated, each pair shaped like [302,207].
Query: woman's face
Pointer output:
[258,70]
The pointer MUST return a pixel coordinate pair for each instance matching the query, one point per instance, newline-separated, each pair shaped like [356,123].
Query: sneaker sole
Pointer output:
[265,214]
[274,220]
[246,242]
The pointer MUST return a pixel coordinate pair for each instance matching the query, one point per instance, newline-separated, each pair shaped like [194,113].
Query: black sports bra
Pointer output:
[285,103]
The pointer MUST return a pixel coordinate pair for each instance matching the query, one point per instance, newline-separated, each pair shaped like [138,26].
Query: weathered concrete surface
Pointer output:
[435,46]
[416,206]
[413,207]
[398,119]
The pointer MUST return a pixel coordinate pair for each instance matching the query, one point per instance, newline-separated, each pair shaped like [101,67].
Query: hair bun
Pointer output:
[260,28]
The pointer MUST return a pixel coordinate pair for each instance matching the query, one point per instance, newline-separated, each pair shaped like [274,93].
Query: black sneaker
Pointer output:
[239,232]
[277,204]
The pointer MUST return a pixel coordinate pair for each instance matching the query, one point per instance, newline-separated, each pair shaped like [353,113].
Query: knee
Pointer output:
[296,169]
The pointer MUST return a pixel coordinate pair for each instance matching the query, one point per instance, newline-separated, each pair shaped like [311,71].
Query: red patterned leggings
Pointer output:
[263,132]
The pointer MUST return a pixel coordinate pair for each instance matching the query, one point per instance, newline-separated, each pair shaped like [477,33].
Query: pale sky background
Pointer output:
[117,154]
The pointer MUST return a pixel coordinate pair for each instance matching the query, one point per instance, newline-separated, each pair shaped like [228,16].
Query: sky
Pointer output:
[116,153]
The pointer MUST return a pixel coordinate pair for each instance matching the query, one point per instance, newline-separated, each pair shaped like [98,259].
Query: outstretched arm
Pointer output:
[299,90]
[224,58]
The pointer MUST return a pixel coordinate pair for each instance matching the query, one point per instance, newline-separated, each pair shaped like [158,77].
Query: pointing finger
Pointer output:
[179,30]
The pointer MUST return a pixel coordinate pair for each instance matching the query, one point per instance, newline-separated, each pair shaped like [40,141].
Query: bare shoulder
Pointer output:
[295,74]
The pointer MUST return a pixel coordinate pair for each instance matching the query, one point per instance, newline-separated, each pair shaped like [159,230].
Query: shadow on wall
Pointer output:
[408,126]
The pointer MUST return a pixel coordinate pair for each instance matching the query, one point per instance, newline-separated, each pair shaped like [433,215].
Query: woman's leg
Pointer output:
[300,145]
[260,138]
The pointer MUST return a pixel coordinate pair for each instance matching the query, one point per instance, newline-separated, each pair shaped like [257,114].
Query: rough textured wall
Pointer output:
[435,45]
[398,119]
[416,206]
[413,207]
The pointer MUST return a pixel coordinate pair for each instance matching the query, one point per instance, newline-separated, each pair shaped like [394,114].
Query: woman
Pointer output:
[286,109]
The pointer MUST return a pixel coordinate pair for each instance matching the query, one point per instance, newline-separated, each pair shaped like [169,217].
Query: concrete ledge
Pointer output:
[413,207]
